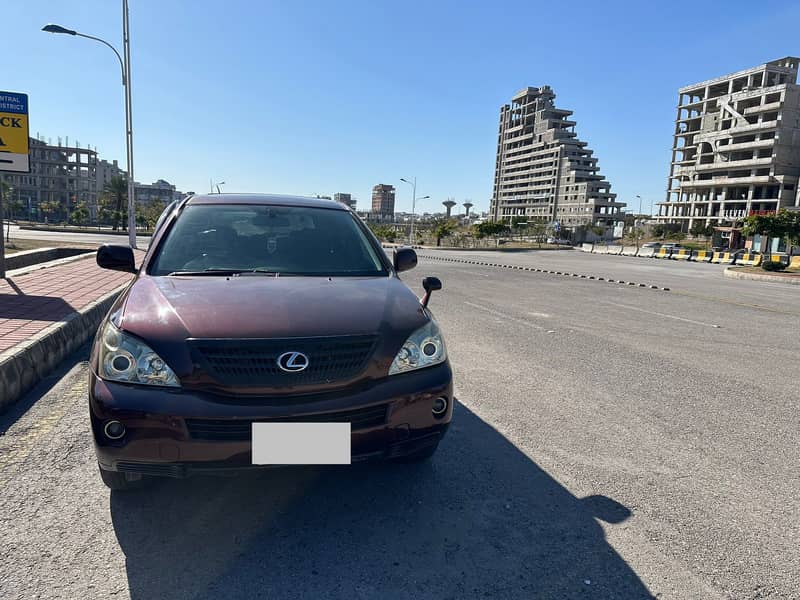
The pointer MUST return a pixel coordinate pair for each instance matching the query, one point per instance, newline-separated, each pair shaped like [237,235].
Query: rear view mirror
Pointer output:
[430,285]
[116,258]
[404,259]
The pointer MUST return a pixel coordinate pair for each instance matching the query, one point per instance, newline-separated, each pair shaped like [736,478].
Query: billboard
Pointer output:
[14,144]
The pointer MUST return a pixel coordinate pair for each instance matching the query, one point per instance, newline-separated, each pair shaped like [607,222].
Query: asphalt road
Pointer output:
[611,442]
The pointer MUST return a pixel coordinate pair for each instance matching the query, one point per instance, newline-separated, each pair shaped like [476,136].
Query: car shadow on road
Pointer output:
[480,520]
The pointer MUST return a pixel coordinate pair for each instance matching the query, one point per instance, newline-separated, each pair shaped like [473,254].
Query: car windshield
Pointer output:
[291,240]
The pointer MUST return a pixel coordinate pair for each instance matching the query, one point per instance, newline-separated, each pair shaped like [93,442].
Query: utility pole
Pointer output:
[2,244]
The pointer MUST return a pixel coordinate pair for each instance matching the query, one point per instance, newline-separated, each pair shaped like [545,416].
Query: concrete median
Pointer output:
[629,250]
[646,252]
[615,250]
[600,249]
[701,256]
[663,253]
[587,247]
[750,259]
[723,258]
[681,254]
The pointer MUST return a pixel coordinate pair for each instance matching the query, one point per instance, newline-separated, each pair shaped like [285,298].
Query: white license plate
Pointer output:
[301,444]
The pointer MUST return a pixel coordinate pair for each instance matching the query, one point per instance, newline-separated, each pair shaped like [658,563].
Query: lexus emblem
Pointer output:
[292,362]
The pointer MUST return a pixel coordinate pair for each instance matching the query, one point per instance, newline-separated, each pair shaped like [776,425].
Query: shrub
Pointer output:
[773,265]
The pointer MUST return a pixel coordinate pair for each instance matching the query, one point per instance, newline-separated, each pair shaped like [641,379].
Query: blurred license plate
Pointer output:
[301,444]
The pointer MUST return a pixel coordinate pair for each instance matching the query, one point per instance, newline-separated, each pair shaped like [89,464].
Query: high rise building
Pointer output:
[345,199]
[383,200]
[543,171]
[736,146]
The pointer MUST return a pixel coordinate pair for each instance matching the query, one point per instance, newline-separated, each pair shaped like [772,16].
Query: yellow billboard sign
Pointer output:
[14,145]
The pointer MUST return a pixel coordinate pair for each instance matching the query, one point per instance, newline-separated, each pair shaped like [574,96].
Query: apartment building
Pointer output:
[65,175]
[345,199]
[106,171]
[543,171]
[383,201]
[736,147]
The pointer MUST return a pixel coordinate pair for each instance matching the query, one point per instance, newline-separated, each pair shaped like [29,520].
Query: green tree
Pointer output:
[784,224]
[147,215]
[598,230]
[80,214]
[49,208]
[635,235]
[443,228]
[490,229]
[115,201]
[385,233]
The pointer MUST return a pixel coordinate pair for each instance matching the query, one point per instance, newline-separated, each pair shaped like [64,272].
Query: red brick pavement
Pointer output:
[32,302]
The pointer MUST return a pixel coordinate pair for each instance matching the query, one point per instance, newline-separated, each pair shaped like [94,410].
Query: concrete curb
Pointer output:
[538,270]
[24,365]
[52,263]
[27,258]
[735,274]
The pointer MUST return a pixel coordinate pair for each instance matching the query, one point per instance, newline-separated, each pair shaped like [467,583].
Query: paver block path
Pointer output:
[32,302]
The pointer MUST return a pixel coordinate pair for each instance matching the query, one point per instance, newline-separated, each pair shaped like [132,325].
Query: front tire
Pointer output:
[122,482]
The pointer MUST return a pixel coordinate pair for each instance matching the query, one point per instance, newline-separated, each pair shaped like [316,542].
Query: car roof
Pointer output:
[267,200]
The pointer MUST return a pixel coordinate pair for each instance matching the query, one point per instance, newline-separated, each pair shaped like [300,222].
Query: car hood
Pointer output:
[166,311]
[267,307]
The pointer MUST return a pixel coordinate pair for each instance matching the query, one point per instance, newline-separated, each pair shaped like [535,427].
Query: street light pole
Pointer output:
[413,206]
[125,66]
[126,44]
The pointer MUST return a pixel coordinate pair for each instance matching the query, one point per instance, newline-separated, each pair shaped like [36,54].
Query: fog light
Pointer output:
[439,407]
[114,430]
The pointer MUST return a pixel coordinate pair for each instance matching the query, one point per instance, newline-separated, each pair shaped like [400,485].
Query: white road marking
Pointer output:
[506,316]
[658,314]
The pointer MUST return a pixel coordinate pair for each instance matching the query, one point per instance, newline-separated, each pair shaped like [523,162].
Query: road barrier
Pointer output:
[629,250]
[681,254]
[702,255]
[663,253]
[601,249]
[646,252]
[616,250]
[723,258]
[794,263]
[750,259]
[587,247]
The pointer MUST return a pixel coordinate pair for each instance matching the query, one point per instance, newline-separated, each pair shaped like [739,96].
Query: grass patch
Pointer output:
[20,245]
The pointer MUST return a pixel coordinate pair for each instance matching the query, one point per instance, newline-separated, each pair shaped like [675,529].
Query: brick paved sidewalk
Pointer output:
[36,300]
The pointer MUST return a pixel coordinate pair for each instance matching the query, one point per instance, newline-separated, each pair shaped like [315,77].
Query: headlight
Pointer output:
[124,358]
[423,348]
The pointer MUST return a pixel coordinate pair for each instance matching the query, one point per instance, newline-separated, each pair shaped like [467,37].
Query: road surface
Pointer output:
[610,442]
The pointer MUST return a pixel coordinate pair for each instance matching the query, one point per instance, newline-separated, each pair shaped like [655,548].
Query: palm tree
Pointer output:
[117,190]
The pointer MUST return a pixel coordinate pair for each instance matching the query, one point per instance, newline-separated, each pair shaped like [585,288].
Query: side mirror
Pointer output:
[404,259]
[430,285]
[117,258]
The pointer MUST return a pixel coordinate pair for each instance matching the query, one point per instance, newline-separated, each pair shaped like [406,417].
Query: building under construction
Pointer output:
[543,171]
[736,147]
[64,175]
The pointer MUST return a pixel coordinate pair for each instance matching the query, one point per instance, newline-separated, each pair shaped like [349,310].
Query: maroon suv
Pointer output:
[264,330]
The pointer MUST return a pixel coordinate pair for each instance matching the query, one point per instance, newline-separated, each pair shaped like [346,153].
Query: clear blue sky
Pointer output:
[319,97]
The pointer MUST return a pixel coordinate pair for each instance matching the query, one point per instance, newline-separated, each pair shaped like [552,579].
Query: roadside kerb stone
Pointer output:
[24,365]
[733,273]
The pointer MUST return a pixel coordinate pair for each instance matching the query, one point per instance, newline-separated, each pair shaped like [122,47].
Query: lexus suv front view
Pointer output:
[264,330]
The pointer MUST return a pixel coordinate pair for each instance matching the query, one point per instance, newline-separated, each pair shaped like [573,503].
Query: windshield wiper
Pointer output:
[217,272]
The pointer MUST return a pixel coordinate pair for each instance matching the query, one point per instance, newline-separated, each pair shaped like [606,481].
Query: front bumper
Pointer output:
[177,432]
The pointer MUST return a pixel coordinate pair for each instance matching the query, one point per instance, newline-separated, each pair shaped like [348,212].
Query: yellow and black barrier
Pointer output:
[663,253]
[681,254]
[723,258]
[702,256]
[750,259]
[794,262]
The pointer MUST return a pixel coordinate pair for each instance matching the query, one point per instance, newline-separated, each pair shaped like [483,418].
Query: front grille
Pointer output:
[253,362]
[236,430]
[160,469]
